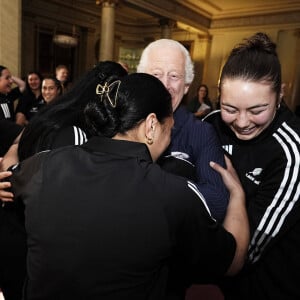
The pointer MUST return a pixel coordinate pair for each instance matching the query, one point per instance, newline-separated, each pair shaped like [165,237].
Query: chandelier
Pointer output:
[66,40]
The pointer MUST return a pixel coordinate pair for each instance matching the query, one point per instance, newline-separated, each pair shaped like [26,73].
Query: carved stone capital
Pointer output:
[107,2]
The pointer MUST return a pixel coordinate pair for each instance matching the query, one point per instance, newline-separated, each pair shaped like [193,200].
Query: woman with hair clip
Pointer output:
[58,124]
[103,221]
[62,122]
[262,138]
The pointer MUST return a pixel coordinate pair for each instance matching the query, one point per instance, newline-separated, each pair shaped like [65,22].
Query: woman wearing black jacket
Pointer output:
[262,138]
[104,221]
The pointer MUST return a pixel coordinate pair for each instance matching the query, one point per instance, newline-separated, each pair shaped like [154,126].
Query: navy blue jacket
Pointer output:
[195,144]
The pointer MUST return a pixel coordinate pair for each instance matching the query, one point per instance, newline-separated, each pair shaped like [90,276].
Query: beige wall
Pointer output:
[288,42]
[10,34]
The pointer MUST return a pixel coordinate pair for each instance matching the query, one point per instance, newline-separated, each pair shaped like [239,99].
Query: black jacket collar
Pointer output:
[118,147]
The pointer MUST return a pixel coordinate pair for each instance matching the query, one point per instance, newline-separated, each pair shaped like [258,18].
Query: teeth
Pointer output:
[245,130]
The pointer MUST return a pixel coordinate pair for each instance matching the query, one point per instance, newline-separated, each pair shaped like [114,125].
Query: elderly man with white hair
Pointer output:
[193,143]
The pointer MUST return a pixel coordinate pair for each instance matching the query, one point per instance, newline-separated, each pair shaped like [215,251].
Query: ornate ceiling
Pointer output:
[189,15]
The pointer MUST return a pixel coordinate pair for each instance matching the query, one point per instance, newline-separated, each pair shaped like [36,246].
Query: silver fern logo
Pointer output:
[180,155]
[252,175]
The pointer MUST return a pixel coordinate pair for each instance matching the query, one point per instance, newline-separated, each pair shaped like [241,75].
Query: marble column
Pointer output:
[166,26]
[10,35]
[107,29]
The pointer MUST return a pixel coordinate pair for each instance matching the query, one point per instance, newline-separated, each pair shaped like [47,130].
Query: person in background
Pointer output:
[201,105]
[262,138]
[8,94]
[123,240]
[62,75]
[30,101]
[51,89]
[193,142]
[62,122]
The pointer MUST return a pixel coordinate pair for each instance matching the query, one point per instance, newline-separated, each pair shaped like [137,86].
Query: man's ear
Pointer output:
[186,88]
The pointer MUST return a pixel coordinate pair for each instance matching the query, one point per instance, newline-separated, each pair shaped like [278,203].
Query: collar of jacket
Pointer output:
[120,148]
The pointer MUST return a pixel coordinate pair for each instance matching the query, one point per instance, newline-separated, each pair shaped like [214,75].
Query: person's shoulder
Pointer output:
[173,182]
[197,125]
[286,121]
[70,135]
[213,116]
[180,192]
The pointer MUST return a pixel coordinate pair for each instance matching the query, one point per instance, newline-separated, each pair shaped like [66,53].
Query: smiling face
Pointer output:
[247,107]
[168,65]
[49,90]
[5,81]
[34,81]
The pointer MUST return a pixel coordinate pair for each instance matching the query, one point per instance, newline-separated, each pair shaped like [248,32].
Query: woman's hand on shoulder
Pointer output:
[229,176]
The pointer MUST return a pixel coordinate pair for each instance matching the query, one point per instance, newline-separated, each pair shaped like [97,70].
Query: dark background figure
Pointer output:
[31,99]
[63,76]
[201,105]
[8,94]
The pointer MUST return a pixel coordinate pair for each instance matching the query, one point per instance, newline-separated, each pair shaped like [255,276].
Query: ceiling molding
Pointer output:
[173,10]
[284,19]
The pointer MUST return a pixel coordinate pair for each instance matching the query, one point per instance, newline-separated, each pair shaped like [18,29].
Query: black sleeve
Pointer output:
[14,94]
[67,136]
[203,249]
[23,105]
[8,133]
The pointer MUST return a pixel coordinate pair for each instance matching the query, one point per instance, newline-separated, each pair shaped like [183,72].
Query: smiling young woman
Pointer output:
[262,138]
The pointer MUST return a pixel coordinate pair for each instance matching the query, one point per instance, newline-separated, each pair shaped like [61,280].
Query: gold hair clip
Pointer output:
[109,91]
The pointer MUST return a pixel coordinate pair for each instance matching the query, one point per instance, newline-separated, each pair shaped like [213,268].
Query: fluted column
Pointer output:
[166,26]
[107,28]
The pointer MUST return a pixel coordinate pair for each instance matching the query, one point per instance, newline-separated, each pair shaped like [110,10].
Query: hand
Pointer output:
[10,158]
[229,175]
[19,82]
[236,219]
[5,195]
